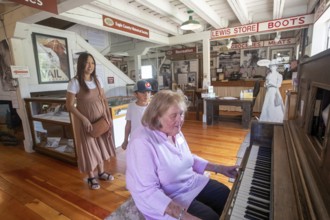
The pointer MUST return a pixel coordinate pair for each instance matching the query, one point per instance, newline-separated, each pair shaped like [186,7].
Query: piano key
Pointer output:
[252,200]
[258,211]
[255,202]
[240,209]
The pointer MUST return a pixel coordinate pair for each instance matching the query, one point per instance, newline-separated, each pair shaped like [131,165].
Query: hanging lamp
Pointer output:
[191,24]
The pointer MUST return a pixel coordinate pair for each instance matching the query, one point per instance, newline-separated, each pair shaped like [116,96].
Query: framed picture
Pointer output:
[192,79]
[283,55]
[51,55]
[250,57]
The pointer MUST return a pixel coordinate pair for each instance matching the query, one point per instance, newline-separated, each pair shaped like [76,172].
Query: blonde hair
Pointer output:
[159,104]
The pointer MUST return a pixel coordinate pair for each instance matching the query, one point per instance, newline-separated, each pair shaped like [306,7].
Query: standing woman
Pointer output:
[273,107]
[86,91]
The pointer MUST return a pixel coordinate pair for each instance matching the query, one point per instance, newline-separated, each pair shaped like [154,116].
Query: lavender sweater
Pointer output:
[158,172]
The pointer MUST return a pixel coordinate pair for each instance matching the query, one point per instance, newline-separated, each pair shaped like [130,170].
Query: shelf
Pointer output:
[63,117]
[51,128]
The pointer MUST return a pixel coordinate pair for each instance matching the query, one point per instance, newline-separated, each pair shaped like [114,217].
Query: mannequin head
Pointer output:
[273,66]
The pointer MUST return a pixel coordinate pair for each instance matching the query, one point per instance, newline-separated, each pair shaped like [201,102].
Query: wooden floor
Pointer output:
[35,186]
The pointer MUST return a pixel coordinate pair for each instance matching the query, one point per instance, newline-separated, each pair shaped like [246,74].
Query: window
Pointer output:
[146,72]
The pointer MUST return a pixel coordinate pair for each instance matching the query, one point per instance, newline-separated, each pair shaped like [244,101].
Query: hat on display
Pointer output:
[142,86]
[267,63]
[273,62]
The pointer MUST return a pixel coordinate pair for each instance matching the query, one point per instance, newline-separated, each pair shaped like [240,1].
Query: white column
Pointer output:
[137,67]
[206,70]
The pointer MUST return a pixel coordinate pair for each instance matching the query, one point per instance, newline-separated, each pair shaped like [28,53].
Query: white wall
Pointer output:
[320,33]
[24,56]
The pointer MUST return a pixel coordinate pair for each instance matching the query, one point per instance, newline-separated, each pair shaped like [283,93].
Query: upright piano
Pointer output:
[285,171]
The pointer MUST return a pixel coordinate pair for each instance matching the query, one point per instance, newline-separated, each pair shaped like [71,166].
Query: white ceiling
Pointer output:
[164,17]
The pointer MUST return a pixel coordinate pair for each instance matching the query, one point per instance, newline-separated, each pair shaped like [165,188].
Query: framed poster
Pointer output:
[283,55]
[51,55]
[249,57]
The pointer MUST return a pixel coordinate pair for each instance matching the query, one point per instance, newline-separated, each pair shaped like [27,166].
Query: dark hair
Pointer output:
[81,64]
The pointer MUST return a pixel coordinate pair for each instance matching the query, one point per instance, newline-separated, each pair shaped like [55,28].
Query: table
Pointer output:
[246,105]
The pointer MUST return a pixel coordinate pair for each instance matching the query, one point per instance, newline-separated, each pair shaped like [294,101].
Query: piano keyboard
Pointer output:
[252,199]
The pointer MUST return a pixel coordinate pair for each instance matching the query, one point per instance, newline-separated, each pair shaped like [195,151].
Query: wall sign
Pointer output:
[20,71]
[181,51]
[51,55]
[266,43]
[267,26]
[44,5]
[124,26]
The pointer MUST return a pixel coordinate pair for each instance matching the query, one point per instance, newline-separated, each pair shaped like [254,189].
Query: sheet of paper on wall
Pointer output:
[194,66]
[160,80]
[182,78]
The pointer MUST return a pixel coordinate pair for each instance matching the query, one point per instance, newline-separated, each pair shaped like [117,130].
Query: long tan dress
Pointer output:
[91,151]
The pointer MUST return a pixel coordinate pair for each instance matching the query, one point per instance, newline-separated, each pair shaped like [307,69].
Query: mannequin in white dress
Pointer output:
[273,108]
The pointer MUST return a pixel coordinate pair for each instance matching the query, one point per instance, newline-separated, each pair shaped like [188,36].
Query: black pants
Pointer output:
[209,203]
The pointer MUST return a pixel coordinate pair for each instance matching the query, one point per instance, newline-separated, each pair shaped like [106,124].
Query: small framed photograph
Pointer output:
[192,79]
[51,55]
[283,55]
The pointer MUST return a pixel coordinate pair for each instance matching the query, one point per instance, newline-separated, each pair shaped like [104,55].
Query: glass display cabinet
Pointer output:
[51,128]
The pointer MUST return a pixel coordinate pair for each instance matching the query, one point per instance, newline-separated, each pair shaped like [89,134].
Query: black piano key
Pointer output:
[265,192]
[263,164]
[262,182]
[265,183]
[257,211]
[260,185]
[263,170]
[255,215]
[258,203]
[261,177]
[248,216]
[259,195]
[262,174]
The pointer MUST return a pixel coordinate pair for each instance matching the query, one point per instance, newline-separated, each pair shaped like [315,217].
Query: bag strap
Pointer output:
[101,98]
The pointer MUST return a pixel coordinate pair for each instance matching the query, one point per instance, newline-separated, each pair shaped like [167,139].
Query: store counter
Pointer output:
[233,89]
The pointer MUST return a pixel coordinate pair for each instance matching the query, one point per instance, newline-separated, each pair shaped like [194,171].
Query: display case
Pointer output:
[51,128]
[118,114]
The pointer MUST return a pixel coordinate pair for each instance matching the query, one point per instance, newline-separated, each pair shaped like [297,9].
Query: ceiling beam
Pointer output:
[203,10]
[165,8]
[240,10]
[135,15]
[90,16]
[71,4]
[278,9]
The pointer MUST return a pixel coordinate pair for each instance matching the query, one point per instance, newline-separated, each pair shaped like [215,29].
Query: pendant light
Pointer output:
[191,24]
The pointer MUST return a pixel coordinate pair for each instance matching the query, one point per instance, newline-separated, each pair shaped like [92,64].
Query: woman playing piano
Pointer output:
[164,178]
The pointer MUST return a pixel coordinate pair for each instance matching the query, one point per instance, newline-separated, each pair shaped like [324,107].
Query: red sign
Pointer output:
[44,5]
[124,26]
[181,51]
[274,25]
